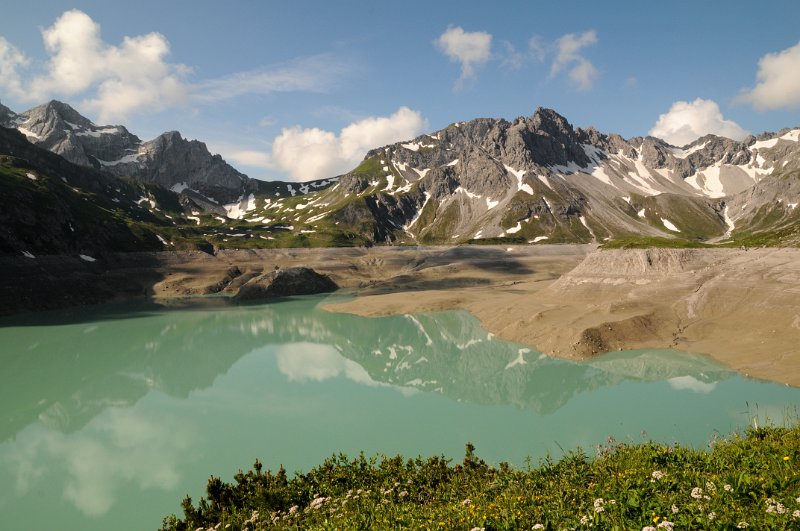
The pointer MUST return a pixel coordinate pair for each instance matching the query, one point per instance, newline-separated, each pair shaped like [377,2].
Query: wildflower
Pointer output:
[697,493]
[293,509]
[649,528]
[712,515]
[584,520]
[537,526]
[797,499]
[727,488]
[477,529]
[666,525]
[466,502]
[316,503]
[403,493]
[796,514]
[742,525]
[710,486]
[657,474]
[781,508]
[598,505]
[674,509]
[785,457]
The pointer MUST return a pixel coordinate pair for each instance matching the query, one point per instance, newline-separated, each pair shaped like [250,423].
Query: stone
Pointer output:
[286,283]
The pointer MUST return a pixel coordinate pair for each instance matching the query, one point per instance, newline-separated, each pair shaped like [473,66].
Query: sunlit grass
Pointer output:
[749,480]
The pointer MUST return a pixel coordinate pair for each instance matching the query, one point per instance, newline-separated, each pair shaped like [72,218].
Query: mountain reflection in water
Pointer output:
[112,414]
[65,373]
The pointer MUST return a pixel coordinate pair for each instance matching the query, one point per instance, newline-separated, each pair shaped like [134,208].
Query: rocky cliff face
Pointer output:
[169,160]
[540,179]
[536,179]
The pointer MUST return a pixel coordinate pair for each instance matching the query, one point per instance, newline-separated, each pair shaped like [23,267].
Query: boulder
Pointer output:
[286,283]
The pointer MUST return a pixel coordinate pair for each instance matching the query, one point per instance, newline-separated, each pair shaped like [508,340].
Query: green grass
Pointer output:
[752,478]
[645,242]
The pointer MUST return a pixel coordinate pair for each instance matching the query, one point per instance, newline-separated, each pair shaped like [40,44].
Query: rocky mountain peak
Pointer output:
[167,160]
[550,122]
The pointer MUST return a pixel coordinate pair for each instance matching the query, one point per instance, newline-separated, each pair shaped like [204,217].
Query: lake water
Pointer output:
[112,414]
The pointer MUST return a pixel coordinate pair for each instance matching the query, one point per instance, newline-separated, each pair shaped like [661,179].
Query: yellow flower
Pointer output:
[785,457]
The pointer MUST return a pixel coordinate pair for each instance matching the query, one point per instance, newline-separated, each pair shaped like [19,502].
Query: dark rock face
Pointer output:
[168,160]
[286,283]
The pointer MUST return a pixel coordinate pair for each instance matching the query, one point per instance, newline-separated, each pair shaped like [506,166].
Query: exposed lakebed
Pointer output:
[112,414]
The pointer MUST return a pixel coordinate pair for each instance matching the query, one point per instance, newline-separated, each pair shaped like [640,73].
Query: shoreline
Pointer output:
[567,301]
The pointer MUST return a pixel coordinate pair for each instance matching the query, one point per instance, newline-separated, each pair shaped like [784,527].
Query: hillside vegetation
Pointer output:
[750,480]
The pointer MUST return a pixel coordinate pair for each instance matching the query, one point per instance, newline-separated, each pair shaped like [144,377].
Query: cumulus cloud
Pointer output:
[686,122]
[778,85]
[313,153]
[582,73]
[470,48]
[253,158]
[117,80]
[124,78]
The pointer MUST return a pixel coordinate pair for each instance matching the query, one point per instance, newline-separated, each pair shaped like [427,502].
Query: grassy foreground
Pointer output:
[750,480]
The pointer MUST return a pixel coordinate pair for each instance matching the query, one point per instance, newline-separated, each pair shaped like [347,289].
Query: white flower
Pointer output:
[712,515]
[293,509]
[666,525]
[770,508]
[477,529]
[742,525]
[649,528]
[537,526]
[674,509]
[598,505]
[657,474]
[781,508]
[584,520]
[697,493]
[710,486]
[403,493]
[466,502]
[316,503]
[796,514]
[727,488]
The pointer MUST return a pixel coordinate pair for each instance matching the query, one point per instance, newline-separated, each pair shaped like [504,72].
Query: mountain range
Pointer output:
[76,187]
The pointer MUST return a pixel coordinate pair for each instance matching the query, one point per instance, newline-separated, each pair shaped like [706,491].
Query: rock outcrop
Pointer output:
[286,283]
[169,160]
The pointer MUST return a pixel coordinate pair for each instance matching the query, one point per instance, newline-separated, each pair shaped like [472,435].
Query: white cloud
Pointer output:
[778,84]
[568,54]
[124,78]
[317,73]
[313,153]
[583,75]
[127,78]
[11,60]
[537,48]
[513,59]
[686,122]
[470,48]
[253,158]
[117,80]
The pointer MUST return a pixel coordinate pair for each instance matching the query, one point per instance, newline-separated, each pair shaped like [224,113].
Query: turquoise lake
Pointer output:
[112,414]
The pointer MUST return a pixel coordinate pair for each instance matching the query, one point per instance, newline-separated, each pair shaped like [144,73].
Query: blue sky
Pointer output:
[299,90]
